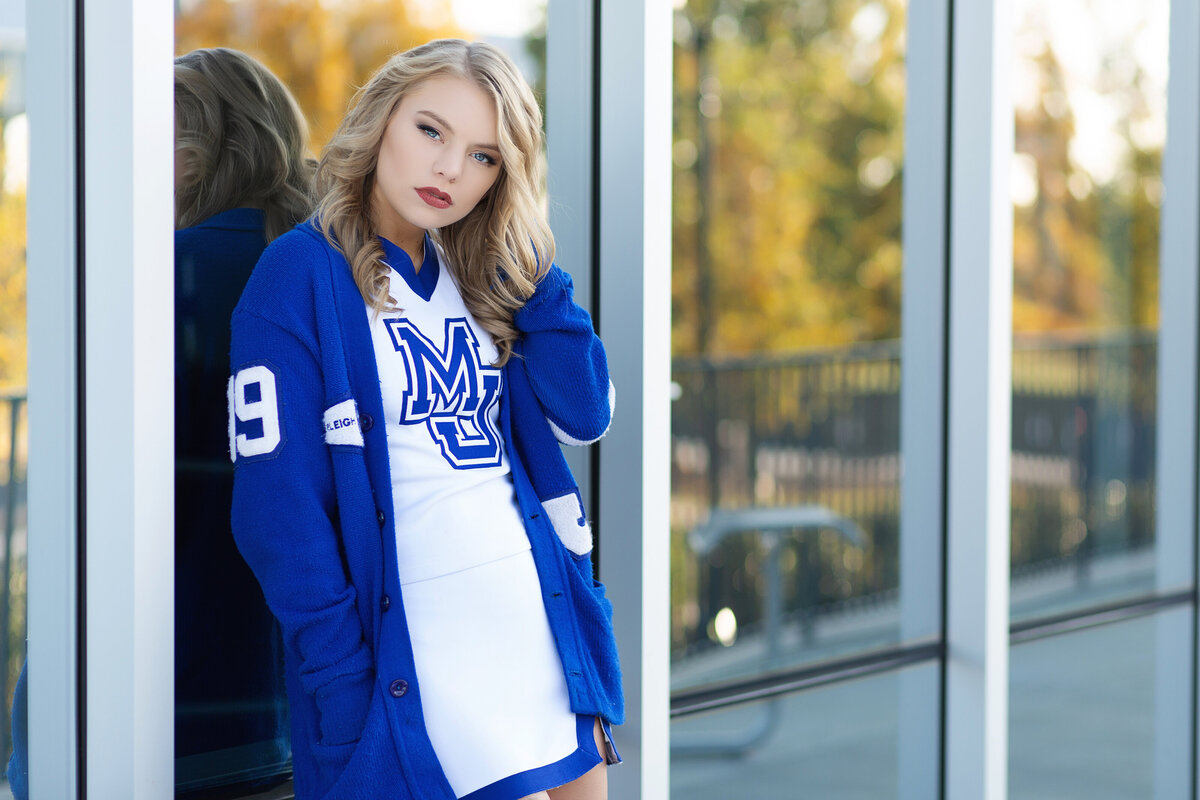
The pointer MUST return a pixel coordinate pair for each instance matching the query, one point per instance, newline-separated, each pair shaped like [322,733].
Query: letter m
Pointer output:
[451,391]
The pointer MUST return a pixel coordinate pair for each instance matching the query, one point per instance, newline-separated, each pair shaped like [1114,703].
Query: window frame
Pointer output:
[54,593]
[128,415]
[1176,468]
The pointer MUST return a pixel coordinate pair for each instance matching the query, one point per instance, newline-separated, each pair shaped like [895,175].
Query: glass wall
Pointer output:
[1097,712]
[839,742]
[1081,717]
[1090,82]
[14,157]
[786,297]
[788,158]
[231,726]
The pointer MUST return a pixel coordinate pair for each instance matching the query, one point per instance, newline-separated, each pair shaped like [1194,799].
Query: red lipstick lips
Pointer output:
[434,197]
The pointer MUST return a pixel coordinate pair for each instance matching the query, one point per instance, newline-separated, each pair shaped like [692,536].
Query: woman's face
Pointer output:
[438,158]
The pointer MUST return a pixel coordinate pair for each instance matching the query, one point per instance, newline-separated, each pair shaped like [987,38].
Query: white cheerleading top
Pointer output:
[452,490]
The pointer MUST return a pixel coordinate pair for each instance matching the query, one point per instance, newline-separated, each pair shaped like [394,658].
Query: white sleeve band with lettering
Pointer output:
[341,424]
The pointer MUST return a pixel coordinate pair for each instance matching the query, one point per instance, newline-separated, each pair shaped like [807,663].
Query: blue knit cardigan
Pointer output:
[312,513]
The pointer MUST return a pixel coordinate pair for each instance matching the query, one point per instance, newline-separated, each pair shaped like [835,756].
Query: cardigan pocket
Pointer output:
[593,619]
[330,760]
[373,767]
[342,706]
[341,766]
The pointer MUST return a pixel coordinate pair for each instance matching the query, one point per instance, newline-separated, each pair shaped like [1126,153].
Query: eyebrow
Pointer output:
[450,128]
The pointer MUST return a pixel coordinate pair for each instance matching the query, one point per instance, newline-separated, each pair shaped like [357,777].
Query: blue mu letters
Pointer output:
[451,392]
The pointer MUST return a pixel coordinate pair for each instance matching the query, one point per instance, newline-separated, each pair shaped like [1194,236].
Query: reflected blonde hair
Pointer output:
[503,246]
[242,141]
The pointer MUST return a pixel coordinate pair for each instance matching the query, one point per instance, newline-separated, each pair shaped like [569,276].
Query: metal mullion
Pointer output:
[1176,473]
[923,387]
[52,654]
[979,402]
[804,678]
[634,240]
[1059,624]
[129,415]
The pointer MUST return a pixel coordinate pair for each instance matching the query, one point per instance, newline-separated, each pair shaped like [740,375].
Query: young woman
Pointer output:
[242,178]
[404,366]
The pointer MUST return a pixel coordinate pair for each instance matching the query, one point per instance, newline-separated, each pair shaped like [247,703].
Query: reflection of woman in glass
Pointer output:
[241,179]
[405,365]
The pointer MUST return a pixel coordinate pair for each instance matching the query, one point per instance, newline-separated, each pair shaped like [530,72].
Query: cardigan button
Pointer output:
[399,688]
[379,516]
[385,602]
[365,422]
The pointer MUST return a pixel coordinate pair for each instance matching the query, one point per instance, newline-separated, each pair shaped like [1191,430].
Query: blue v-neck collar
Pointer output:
[422,283]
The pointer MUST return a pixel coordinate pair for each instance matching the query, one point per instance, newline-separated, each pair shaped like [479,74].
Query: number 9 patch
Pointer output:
[254,427]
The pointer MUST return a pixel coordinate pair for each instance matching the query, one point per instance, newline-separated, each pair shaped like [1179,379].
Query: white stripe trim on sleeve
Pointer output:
[567,438]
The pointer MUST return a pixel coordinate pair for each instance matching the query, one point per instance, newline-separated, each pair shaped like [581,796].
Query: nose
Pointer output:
[449,166]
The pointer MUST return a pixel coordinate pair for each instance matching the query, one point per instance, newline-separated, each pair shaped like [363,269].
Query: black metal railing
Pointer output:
[13,492]
[821,431]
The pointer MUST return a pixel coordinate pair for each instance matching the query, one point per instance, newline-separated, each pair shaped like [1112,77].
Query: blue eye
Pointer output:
[484,158]
[432,133]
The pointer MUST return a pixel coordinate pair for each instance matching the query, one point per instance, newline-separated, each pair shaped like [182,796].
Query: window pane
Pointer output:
[231,714]
[14,152]
[842,741]
[788,153]
[1090,89]
[1082,711]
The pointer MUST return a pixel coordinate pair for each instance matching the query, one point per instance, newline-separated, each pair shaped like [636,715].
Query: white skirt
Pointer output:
[493,693]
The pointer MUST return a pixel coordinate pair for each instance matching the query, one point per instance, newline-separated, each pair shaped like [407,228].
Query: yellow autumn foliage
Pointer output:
[13,354]
[321,51]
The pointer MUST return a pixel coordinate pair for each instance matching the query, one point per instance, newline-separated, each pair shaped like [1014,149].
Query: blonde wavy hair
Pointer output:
[503,246]
[241,140]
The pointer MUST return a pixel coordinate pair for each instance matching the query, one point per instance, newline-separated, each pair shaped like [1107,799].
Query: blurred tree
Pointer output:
[13,356]
[322,51]
[788,152]
[1056,256]
[788,166]
[535,48]
[1085,249]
